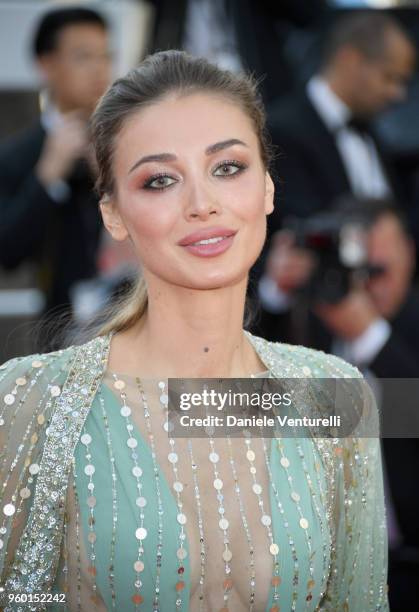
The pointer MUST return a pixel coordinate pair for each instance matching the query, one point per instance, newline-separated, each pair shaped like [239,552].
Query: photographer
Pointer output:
[369,313]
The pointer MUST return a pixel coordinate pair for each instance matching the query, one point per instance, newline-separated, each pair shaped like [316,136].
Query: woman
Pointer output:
[99,502]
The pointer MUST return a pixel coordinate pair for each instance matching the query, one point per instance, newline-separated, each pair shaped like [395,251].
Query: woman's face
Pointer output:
[187,169]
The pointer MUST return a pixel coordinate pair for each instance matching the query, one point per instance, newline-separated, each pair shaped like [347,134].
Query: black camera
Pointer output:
[338,242]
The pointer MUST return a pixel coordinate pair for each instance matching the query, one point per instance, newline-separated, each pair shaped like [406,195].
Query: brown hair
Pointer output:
[156,77]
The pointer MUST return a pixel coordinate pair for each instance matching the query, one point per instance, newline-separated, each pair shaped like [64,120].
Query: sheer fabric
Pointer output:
[336,561]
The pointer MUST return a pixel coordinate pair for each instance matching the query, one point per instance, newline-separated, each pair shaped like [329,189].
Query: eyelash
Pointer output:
[155,177]
[231,162]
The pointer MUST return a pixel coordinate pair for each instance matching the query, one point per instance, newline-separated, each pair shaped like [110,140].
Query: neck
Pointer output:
[339,84]
[188,333]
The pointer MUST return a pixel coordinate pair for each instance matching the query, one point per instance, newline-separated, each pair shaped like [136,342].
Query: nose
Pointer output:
[201,203]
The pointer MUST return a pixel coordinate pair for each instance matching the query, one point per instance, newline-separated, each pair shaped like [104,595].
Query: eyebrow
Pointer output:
[166,157]
[224,144]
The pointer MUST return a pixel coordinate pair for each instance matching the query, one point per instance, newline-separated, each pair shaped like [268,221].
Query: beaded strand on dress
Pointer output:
[141,531]
[173,458]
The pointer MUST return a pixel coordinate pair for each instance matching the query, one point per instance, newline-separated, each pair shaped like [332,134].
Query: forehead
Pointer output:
[184,124]
[80,35]
[387,227]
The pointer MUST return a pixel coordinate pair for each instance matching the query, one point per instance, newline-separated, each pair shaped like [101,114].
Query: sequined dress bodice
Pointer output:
[293,501]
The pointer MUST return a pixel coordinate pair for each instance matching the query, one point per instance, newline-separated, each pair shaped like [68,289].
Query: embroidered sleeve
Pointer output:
[28,389]
[358,572]
[46,399]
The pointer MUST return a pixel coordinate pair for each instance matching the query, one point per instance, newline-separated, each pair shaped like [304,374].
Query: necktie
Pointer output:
[359,125]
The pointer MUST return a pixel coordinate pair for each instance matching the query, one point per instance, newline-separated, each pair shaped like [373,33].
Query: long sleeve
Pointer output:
[19,453]
[359,560]
[46,399]
[29,387]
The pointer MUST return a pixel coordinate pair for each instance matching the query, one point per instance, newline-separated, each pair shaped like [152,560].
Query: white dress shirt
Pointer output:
[358,152]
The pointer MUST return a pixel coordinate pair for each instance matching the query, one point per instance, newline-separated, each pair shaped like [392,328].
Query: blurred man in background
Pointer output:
[48,210]
[327,148]
[376,324]
[326,144]
[368,315]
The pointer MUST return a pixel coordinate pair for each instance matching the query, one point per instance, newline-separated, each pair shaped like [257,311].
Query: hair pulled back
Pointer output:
[158,76]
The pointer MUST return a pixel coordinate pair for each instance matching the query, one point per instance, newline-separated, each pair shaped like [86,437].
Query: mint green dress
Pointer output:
[126,551]
[326,500]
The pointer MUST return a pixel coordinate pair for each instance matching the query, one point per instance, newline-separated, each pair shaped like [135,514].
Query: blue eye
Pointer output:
[229,168]
[159,182]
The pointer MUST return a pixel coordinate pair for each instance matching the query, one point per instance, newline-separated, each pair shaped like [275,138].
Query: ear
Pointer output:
[112,219]
[46,67]
[269,194]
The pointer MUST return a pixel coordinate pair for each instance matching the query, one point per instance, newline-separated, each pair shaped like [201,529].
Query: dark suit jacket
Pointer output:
[63,237]
[308,167]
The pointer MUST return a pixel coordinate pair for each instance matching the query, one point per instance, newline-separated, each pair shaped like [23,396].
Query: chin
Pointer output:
[216,281]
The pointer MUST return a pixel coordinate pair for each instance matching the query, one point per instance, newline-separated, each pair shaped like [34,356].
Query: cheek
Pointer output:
[369,85]
[73,83]
[85,78]
[148,223]
[248,203]
[382,86]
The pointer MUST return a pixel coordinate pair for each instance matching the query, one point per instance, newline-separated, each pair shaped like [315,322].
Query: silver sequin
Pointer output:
[9,509]
[141,533]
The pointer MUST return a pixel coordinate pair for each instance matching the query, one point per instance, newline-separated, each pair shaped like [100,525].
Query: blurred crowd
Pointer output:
[339,271]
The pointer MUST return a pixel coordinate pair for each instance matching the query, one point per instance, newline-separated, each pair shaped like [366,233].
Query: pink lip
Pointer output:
[209,250]
[210,232]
